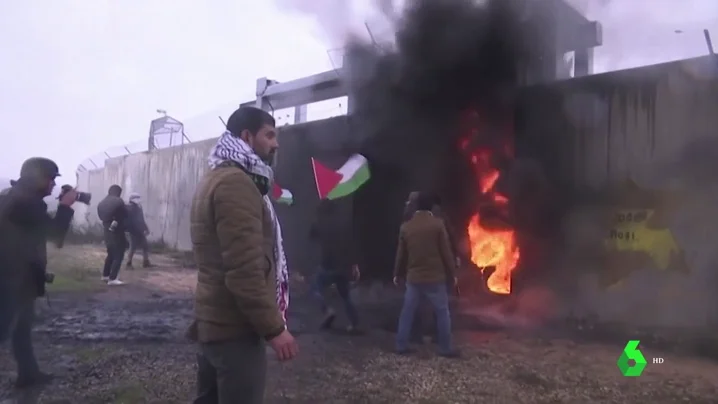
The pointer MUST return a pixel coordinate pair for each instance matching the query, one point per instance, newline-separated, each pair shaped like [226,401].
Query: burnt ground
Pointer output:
[126,345]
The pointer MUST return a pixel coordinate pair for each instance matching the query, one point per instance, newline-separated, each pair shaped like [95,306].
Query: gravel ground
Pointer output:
[495,368]
[125,345]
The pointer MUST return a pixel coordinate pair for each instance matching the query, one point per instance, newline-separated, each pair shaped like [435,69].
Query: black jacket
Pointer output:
[111,209]
[136,224]
[25,229]
[336,241]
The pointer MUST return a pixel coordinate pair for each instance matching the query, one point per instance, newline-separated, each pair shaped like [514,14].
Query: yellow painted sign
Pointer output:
[639,236]
[632,233]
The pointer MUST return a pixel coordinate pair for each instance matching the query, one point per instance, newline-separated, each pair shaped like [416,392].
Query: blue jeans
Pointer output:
[437,294]
[326,279]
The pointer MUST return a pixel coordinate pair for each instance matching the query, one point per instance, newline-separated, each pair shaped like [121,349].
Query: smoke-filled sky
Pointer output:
[79,76]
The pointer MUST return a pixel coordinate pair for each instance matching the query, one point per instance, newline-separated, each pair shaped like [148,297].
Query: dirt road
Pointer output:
[126,345]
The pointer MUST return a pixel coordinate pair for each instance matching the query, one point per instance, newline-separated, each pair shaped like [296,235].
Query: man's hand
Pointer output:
[356,274]
[456,281]
[285,346]
[68,198]
[397,281]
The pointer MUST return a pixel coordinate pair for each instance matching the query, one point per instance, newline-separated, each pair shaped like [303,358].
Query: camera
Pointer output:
[49,277]
[83,197]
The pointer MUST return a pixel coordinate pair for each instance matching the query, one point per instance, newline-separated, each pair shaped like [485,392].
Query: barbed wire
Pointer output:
[162,141]
[283,117]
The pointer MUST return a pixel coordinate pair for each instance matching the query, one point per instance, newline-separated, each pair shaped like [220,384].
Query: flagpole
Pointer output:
[316,180]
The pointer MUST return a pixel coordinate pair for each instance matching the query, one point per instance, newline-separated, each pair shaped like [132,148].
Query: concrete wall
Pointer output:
[657,128]
[590,133]
[167,178]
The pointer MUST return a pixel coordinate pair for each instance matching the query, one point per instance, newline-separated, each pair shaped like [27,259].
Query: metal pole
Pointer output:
[709,43]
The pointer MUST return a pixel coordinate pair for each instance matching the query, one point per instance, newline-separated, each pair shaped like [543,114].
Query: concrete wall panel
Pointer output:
[655,126]
[590,133]
[167,179]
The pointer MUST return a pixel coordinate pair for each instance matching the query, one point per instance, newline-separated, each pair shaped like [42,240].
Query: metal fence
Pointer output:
[161,141]
[167,132]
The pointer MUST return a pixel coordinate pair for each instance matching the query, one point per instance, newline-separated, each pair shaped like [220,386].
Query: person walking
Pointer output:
[242,292]
[25,228]
[425,263]
[113,215]
[338,265]
[138,230]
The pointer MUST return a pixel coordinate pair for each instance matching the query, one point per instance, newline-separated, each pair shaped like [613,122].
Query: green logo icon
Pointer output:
[631,353]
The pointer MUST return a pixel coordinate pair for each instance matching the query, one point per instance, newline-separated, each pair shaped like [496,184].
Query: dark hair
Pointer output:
[115,190]
[425,201]
[249,118]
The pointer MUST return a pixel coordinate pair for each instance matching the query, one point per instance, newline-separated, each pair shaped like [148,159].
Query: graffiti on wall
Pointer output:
[639,236]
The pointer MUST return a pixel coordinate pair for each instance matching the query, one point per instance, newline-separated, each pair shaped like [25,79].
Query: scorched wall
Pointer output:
[633,152]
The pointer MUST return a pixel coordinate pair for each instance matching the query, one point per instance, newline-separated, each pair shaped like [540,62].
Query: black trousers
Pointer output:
[116,245]
[138,241]
[232,372]
[21,339]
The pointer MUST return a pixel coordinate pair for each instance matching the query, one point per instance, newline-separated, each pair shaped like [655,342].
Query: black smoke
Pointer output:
[449,56]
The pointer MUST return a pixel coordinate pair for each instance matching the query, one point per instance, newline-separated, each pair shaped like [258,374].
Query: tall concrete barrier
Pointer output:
[651,131]
[640,146]
[167,178]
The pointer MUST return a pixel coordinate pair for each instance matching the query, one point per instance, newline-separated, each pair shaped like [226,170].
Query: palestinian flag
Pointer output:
[282,195]
[336,184]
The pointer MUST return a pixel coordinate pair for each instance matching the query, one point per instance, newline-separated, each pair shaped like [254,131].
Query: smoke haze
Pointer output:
[446,57]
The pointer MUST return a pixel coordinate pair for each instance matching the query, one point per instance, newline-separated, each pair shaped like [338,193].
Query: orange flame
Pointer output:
[491,248]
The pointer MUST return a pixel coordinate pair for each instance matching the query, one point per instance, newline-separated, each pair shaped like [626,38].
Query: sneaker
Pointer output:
[38,379]
[105,278]
[147,265]
[328,319]
[129,266]
[352,330]
[115,282]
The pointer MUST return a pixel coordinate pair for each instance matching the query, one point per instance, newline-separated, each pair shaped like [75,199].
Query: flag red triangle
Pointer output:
[325,179]
[276,191]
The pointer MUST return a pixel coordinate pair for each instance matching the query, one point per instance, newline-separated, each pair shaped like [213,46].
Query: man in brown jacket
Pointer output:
[233,235]
[425,262]
[423,320]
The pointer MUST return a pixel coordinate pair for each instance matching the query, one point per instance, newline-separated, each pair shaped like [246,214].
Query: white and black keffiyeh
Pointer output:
[234,149]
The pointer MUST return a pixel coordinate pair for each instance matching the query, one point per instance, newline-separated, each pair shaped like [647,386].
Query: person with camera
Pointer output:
[25,228]
[113,214]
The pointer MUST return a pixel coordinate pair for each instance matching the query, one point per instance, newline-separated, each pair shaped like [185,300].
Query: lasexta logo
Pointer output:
[631,353]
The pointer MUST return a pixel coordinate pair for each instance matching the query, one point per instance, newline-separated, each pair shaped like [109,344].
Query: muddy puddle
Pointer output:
[102,320]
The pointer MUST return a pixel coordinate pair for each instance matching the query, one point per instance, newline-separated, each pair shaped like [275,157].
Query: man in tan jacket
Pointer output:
[424,261]
[233,233]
